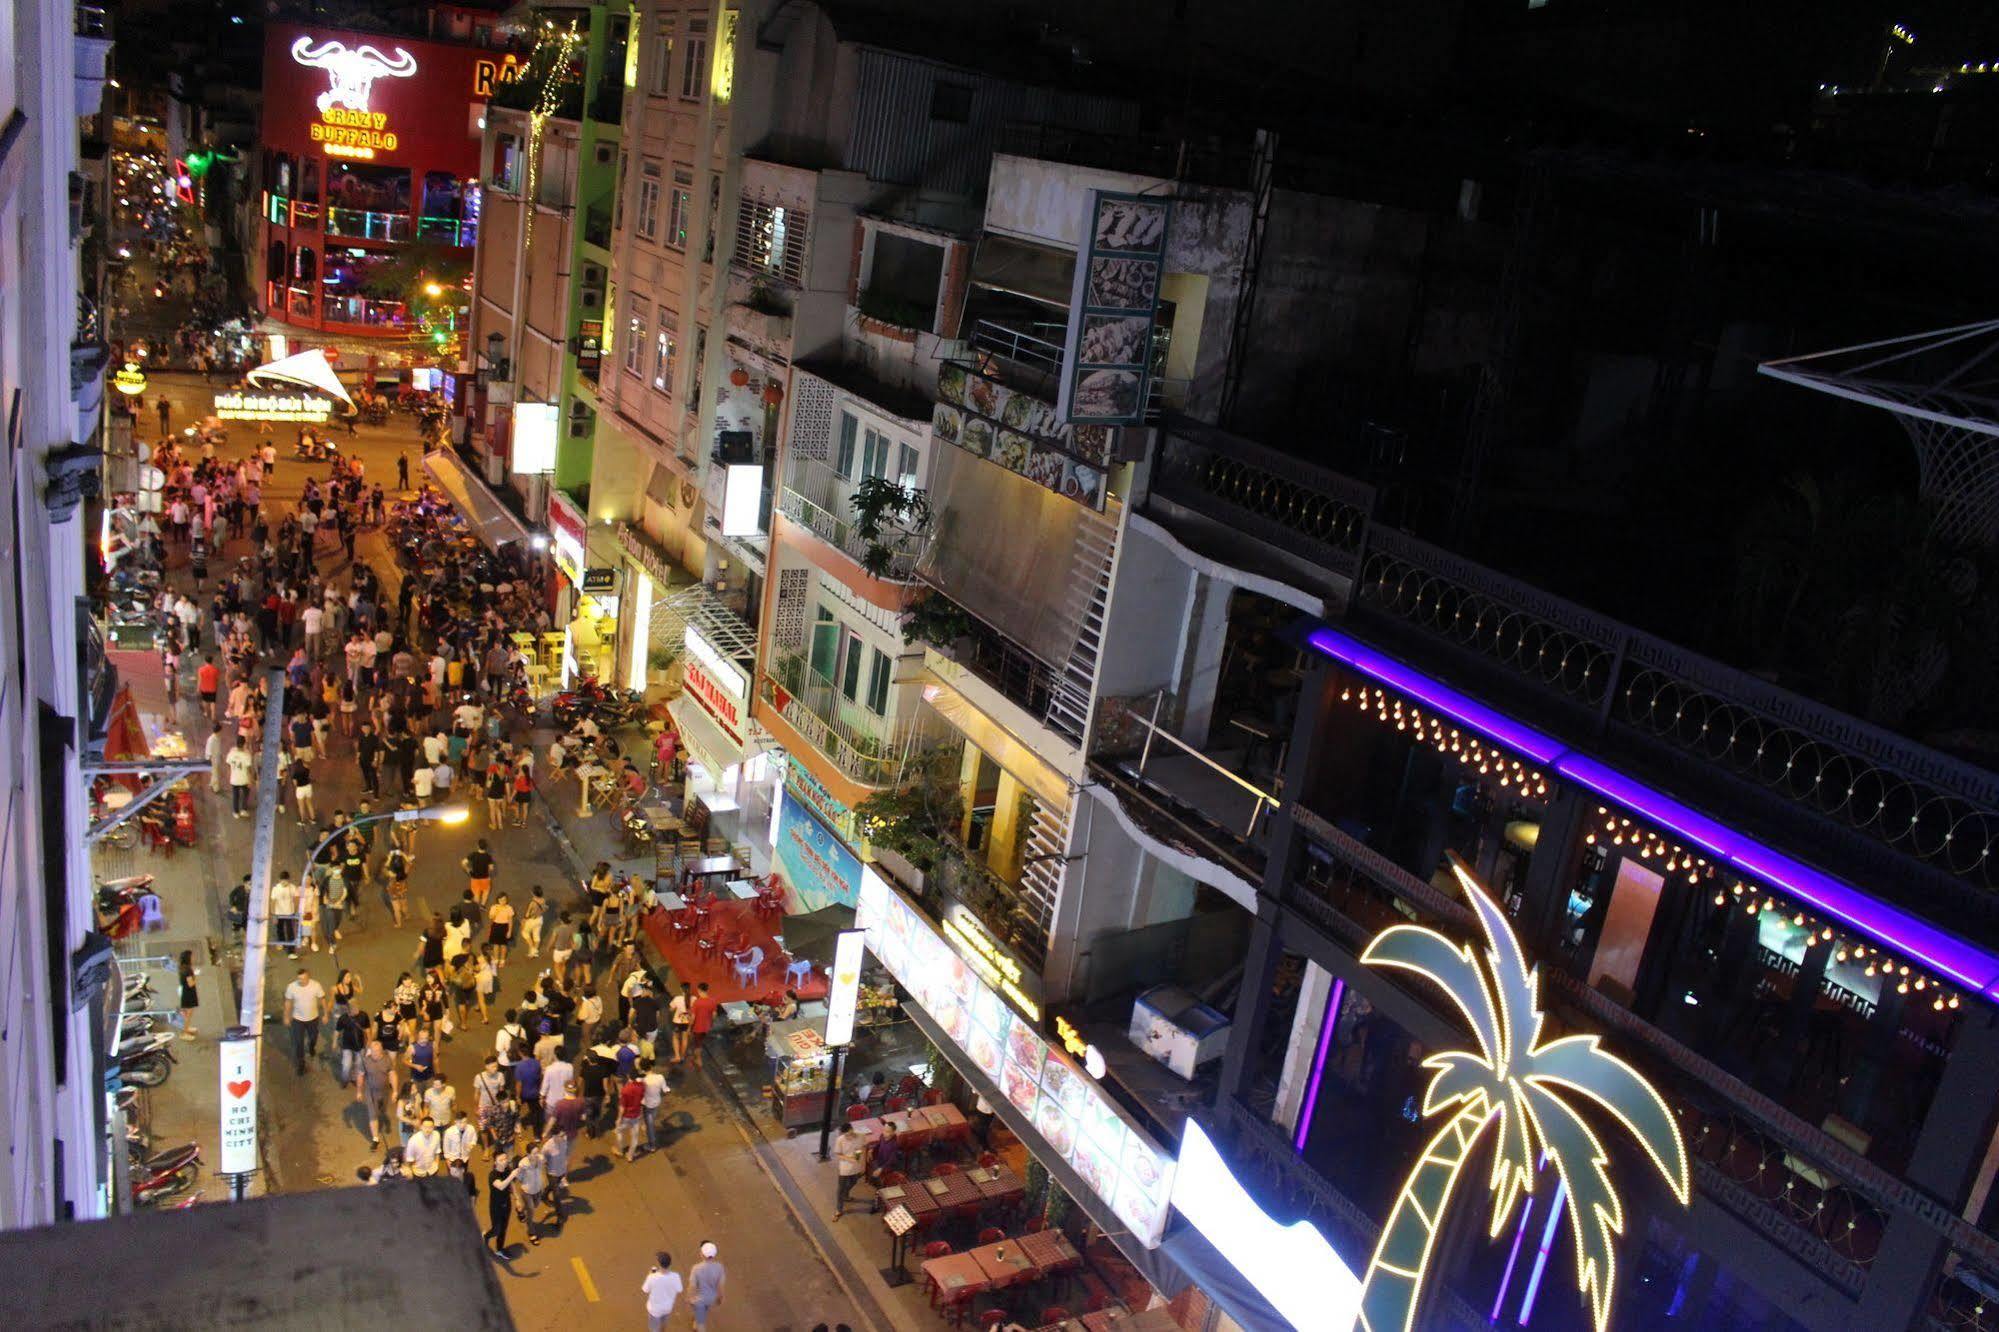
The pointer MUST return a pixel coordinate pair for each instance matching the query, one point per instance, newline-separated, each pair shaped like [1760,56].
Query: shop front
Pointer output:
[590,615]
[731,775]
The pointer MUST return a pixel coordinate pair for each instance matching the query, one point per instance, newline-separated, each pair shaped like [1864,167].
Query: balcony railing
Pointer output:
[1038,346]
[1015,672]
[462,232]
[1265,494]
[869,749]
[361,224]
[813,496]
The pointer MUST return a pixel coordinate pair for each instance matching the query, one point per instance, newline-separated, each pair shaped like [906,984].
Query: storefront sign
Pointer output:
[1107,361]
[814,863]
[490,74]
[567,534]
[1292,1267]
[534,439]
[800,784]
[1074,1119]
[640,550]
[742,499]
[1023,434]
[238,1060]
[716,683]
[130,380]
[845,995]
[600,579]
[994,961]
[234,406]
[346,126]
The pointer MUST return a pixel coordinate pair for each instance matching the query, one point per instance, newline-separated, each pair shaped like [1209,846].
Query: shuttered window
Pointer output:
[770,241]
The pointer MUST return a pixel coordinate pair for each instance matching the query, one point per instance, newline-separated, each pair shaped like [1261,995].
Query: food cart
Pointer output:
[801,1066]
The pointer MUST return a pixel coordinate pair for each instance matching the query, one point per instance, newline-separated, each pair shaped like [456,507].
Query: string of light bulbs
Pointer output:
[553,83]
[1632,838]
[1463,747]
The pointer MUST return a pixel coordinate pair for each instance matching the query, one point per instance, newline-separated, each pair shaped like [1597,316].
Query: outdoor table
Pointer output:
[920,1203]
[997,1183]
[953,1273]
[1002,1271]
[742,889]
[670,900]
[739,1013]
[954,1191]
[1050,1250]
[707,867]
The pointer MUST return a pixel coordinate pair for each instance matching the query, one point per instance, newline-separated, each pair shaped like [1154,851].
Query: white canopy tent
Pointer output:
[306,369]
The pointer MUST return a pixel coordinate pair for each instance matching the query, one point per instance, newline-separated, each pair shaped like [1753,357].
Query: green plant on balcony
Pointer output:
[765,301]
[878,504]
[936,620]
[898,310]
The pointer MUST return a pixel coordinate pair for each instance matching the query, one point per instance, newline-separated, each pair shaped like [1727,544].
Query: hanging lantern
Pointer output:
[773,395]
[739,376]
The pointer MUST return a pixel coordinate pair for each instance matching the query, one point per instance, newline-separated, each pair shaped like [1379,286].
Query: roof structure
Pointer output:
[306,369]
[1943,386]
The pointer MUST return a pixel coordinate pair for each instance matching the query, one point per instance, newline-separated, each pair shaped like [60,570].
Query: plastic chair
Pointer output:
[991,1235]
[1053,1314]
[909,1086]
[797,970]
[932,1097]
[151,916]
[994,1318]
[856,1113]
[893,1179]
[1036,1224]
[942,1169]
[987,1160]
[896,1103]
[747,965]
[937,1249]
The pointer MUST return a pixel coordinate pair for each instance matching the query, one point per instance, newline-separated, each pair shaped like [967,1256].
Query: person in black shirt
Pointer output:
[368,753]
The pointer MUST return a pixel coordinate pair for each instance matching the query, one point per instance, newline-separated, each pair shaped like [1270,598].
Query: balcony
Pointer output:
[868,749]
[814,497]
[93,58]
[87,358]
[360,224]
[597,225]
[462,232]
[1020,677]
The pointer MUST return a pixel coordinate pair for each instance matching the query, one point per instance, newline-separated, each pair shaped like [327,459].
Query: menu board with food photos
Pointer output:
[1023,434]
[1067,1110]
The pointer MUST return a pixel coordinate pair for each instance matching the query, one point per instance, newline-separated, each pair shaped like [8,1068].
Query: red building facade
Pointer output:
[370,143]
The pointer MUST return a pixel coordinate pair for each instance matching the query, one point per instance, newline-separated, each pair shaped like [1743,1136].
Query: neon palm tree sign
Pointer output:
[1531,1095]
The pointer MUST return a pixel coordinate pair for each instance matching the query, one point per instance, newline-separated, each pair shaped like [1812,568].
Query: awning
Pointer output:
[709,744]
[308,369]
[493,521]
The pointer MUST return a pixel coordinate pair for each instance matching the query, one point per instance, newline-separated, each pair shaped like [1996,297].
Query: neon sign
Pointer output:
[271,407]
[488,75]
[347,127]
[1531,1094]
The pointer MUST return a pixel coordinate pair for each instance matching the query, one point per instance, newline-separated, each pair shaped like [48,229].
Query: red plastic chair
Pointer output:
[683,923]
[988,1159]
[937,1249]
[909,1086]
[1035,1225]
[991,1235]
[944,1168]
[993,1318]
[932,1097]
[891,1178]
[895,1103]
[856,1113]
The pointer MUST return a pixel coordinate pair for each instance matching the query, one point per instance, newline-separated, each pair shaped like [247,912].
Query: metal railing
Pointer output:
[812,496]
[93,21]
[363,224]
[869,749]
[1015,672]
[1123,722]
[449,230]
[1265,494]
[1028,346]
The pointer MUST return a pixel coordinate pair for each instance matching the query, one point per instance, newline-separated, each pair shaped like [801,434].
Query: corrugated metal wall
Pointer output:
[894,139]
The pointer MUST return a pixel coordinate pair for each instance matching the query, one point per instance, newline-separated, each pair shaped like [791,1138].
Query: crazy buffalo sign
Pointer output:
[375,97]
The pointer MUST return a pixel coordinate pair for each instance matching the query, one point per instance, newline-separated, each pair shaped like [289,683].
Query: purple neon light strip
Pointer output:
[1326,1026]
[1965,963]
[1512,1257]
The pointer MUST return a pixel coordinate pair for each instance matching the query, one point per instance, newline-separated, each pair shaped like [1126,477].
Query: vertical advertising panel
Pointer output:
[1107,362]
[844,997]
[238,1060]
[812,861]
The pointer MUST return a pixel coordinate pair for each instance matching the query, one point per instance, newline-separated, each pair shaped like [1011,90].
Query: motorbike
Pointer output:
[138,988]
[314,449]
[115,893]
[610,707]
[134,1027]
[152,1186]
[147,1067]
[160,1163]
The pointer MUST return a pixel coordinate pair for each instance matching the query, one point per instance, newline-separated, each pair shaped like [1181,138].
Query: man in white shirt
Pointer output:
[441,1099]
[459,1140]
[433,749]
[304,1000]
[662,1288]
[241,765]
[283,904]
[312,619]
[654,1097]
[510,1031]
[468,715]
[422,782]
[420,1153]
[555,1080]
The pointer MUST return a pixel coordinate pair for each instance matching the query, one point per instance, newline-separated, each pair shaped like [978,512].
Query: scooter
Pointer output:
[134,1027]
[148,1067]
[152,1186]
[138,989]
[160,1163]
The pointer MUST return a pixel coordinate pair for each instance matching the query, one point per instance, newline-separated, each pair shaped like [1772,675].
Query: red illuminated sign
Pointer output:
[713,698]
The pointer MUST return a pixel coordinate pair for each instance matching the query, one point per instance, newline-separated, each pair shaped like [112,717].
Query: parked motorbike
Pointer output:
[147,1067]
[609,706]
[153,1186]
[138,989]
[160,1163]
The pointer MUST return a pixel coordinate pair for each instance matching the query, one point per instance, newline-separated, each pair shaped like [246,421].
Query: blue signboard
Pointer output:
[813,862]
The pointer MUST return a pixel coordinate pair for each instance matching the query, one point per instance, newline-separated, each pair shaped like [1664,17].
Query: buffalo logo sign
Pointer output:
[351,72]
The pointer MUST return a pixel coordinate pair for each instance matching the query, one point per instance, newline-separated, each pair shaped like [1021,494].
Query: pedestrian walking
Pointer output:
[240,767]
[532,916]
[499,1201]
[376,1085]
[706,1279]
[631,1118]
[190,998]
[662,1288]
[303,1000]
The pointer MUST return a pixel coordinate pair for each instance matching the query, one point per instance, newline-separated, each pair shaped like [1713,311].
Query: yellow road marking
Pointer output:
[583,1275]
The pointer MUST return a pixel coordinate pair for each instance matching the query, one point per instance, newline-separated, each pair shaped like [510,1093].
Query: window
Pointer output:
[874,455]
[714,206]
[648,201]
[662,352]
[694,64]
[850,665]
[843,460]
[770,240]
[825,650]
[635,341]
[880,668]
[952,102]
[507,163]
[905,466]
[662,70]
[618,206]
[680,208]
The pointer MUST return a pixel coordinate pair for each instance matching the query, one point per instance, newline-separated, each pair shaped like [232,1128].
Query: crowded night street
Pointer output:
[704,1183]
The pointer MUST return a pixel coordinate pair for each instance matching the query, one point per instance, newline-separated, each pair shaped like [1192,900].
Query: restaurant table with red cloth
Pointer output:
[1050,1250]
[952,1273]
[953,1191]
[997,1183]
[1004,1263]
[982,1268]
[922,1204]
[917,1127]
